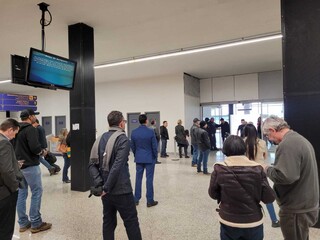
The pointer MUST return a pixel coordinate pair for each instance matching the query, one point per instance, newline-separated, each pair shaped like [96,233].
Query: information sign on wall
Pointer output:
[17,102]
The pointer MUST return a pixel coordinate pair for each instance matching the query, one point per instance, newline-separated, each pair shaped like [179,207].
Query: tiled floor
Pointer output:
[185,210]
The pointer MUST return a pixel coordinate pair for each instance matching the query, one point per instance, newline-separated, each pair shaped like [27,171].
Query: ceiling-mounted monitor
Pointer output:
[50,71]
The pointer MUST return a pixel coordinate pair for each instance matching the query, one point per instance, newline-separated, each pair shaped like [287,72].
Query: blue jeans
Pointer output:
[163,147]
[32,177]
[149,175]
[271,212]
[233,233]
[45,163]
[67,162]
[203,156]
[195,154]
[125,205]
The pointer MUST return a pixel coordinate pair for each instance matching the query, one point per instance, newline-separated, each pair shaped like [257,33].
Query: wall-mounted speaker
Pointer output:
[19,69]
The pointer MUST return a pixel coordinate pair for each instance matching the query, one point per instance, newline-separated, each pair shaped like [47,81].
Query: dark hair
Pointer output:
[234,146]
[9,123]
[202,124]
[153,122]
[37,121]
[250,132]
[164,122]
[115,118]
[143,119]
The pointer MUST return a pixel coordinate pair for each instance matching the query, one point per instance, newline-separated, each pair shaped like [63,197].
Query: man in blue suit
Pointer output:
[144,147]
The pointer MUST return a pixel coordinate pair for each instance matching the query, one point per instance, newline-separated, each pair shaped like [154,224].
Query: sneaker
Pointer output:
[157,162]
[193,165]
[275,224]
[23,229]
[154,203]
[186,157]
[67,181]
[43,227]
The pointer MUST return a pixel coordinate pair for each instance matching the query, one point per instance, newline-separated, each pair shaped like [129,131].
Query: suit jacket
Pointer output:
[10,174]
[144,145]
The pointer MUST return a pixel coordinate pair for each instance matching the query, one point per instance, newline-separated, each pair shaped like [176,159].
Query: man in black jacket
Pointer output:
[28,148]
[10,176]
[109,170]
[164,136]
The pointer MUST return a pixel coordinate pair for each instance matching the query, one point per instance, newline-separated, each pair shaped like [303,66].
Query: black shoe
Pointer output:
[157,162]
[275,224]
[206,173]
[163,156]
[216,149]
[52,171]
[194,165]
[167,155]
[154,203]
[199,171]
[186,157]
[67,181]
[137,203]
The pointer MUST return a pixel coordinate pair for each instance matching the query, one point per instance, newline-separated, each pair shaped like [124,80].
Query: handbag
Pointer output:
[62,148]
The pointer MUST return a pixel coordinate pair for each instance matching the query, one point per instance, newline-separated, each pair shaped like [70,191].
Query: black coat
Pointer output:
[180,137]
[27,146]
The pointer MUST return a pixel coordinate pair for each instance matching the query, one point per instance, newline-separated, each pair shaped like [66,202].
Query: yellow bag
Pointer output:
[69,152]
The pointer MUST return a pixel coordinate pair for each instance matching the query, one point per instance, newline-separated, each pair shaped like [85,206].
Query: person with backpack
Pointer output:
[109,170]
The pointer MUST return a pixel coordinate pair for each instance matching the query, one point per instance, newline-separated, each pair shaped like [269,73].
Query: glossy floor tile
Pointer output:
[185,210]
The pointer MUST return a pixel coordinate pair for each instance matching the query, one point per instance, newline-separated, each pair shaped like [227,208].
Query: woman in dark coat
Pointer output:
[181,139]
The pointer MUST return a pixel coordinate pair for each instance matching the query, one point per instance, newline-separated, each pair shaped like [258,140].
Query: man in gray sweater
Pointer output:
[295,178]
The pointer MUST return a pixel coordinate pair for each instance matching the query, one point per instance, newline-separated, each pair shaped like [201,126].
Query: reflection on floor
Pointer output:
[185,210]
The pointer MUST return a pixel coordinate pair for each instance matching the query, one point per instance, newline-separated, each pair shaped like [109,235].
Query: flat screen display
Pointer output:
[50,71]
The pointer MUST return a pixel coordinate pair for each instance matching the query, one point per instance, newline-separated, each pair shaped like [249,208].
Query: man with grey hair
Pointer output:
[295,178]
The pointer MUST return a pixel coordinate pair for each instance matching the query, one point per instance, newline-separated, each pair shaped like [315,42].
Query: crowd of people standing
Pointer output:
[238,183]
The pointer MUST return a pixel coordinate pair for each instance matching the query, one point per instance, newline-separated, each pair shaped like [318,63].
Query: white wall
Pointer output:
[245,87]
[53,103]
[164,94]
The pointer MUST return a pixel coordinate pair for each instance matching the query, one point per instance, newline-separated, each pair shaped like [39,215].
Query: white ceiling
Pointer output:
[124,29]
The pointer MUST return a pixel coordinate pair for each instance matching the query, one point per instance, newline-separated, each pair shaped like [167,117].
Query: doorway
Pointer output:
[47,125]
[133,122]
[60,122]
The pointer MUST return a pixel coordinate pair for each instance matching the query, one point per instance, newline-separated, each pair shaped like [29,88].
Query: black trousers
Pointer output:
[8,216]
[125,205]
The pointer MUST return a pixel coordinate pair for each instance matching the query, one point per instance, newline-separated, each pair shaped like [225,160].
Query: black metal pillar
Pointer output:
[82,104]
[301,68]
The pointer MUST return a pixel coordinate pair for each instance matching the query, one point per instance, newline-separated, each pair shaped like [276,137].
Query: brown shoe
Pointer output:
[23,229]
[43,227]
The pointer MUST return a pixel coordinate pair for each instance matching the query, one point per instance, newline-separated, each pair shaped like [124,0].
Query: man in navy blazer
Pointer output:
[144,147]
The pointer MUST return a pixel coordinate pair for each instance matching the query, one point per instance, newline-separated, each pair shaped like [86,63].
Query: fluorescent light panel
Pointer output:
[5,81]
[190,51]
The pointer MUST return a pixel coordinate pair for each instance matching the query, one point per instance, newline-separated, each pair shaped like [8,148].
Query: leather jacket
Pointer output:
[116,181]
